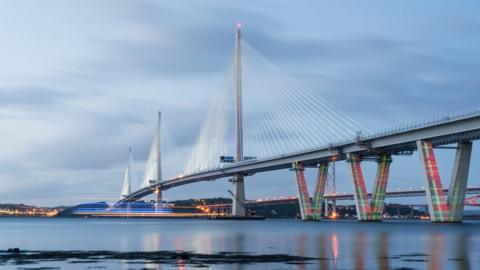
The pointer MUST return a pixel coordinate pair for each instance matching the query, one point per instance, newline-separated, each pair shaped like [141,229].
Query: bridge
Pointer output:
[294,129]
[226,207]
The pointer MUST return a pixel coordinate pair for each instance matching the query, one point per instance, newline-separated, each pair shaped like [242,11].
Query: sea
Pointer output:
[238,244]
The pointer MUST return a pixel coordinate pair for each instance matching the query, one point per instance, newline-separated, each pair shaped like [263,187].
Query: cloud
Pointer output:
[31,97]
[75,93]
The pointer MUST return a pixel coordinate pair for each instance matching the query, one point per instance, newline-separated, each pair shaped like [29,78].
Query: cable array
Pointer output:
[281,116]
[215,138]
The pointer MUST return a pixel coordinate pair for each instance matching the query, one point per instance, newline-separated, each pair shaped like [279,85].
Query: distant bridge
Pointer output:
[226,207]
[472,201]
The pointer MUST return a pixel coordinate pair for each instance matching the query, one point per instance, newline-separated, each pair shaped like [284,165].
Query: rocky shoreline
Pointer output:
[26,257]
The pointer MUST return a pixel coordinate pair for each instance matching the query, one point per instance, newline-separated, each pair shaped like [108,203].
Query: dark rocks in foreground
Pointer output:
[158,257]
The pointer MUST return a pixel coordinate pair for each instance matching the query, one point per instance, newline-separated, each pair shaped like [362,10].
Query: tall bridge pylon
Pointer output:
[127,179]
[238,207]
[153,167]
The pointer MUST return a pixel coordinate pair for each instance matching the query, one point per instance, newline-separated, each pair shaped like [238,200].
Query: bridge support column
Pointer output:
[159,201]
[458,183]
[303,197]
[437,205]
[378,199]
[319,190]
[359,190]
[238,204]
[440,209]
[366,210]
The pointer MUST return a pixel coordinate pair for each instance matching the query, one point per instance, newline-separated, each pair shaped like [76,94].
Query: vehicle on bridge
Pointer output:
[227,159]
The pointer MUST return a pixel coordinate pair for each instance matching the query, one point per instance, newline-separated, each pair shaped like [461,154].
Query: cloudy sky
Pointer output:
[80,81]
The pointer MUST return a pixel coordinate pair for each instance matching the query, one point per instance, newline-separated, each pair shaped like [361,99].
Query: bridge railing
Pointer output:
[423,124]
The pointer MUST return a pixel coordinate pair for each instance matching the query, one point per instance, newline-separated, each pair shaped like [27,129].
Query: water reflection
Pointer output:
[439,252]
[239,248]
[151,242]
[335,249]
[302,248]
[358,255]
[202,243]
[181,265]
[437,242]
[338,245]
[461,247]
[240,243]
[322,252]
[382,252]
[434,248]
[380,246]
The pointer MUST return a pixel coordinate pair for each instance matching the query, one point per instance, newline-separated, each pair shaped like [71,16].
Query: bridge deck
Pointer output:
[441,132]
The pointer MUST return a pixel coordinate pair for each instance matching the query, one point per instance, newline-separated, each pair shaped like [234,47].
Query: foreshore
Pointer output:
[31,257]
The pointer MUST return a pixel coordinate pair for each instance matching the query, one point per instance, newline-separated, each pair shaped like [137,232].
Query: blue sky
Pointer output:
[80,81]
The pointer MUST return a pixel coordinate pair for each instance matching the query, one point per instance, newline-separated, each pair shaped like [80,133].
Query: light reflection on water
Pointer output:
[341,245]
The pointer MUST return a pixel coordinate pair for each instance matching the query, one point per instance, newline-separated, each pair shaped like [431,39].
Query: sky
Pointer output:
[81,81]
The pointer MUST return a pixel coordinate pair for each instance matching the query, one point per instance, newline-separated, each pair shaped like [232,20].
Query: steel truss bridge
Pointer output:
[472,201]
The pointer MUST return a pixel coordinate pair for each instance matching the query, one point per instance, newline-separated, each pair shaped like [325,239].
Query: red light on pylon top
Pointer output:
[239,25]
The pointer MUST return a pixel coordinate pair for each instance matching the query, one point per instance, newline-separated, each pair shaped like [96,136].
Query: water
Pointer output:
[346,244]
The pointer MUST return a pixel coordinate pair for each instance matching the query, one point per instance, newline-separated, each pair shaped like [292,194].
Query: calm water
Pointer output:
[347,245]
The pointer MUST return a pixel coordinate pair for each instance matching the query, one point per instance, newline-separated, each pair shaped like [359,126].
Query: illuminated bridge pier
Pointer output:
[370,206]
[443,209]
[309,211]
[369,210]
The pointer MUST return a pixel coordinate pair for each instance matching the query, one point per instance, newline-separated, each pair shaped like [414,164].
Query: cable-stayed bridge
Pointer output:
[264,120]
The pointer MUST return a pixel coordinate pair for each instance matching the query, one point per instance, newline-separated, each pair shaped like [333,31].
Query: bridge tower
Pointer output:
[127,180]
[158,191]
[238,204]
[153,167]
[159,163]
